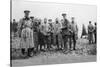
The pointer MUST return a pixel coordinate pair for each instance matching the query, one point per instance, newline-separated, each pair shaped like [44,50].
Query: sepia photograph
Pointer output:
[45,33]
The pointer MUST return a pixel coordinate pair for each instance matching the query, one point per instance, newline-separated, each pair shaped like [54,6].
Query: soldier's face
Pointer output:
[45,20]
[26,14]
[64,17]
[72,19]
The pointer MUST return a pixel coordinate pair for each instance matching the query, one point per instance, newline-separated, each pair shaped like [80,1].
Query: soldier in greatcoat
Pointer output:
[74,33]
[65,31]
[26,44]
[90,32]
[57,34]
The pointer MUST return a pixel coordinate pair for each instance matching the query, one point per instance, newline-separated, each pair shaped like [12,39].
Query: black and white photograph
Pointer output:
[45,33]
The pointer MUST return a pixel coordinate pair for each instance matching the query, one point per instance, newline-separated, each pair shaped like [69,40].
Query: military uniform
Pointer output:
[57,35]
[74,31]
[50,34]
[26,34]
[90,33]
[27,41]
[15,27]
[65,33]
[45,33]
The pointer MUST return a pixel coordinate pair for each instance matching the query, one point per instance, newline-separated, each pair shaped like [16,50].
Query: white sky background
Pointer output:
[82,13]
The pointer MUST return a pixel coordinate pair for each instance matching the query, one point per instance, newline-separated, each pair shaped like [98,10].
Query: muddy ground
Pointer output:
[84,53]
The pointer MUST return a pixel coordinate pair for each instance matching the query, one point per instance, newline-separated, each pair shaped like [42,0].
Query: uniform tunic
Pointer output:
[57,34]
[27,35]
[90,32]
[74,29]
[74,35]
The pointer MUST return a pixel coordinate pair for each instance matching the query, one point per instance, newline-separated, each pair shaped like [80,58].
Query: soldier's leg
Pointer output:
[40,46]
[23,51]
[95,38]
[91,38]
[74,42]
[44,39]
[49,42]
[28,51]
[62,43]
[70,42]
[57,42]
[41,42]
[65,46]
[37,42]
[52,39]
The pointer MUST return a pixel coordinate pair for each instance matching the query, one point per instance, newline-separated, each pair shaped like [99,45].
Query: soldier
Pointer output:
[90,32]
[27,44]
[45,33]
[57,34]
[50,33]
[65,32]
[40,35]
[35,33]
[14,26]
[95,32]
[32,20]
[74,31]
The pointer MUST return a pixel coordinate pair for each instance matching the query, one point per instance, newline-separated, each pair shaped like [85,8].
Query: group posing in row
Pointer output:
[37,35]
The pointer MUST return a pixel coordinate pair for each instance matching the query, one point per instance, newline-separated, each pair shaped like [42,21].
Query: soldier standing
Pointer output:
[90,32]
[50,33]
[27,44]
[57,34]
[74,31]
[45,33]
[95,32]
[14,26]
[35,33]
[65,32]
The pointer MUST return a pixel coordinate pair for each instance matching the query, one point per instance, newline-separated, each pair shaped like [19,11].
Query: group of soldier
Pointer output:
[37,35]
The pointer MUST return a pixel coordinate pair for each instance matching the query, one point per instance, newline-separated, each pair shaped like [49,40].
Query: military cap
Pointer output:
[49,19]
[73,17]
[63,14]
[95,23]
[89,21]
[32,17]
[26,11]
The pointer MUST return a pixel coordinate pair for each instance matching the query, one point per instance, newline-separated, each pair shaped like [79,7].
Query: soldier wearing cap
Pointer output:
[45,32]
[15,24]
[21,21]
[74,31]
[32,18]
[35,32]
[90,32]
[65,31]
[25,27]
[50,33]
[57,33]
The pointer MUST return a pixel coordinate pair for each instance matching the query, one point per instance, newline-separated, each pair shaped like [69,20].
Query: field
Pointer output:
[84,53]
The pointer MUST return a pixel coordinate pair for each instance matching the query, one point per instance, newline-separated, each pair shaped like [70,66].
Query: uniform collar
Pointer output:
[26,18]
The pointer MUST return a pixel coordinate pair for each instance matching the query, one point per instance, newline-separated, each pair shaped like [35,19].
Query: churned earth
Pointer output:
[84,53]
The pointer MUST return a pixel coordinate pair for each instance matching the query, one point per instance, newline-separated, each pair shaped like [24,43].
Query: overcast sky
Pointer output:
[82,13]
